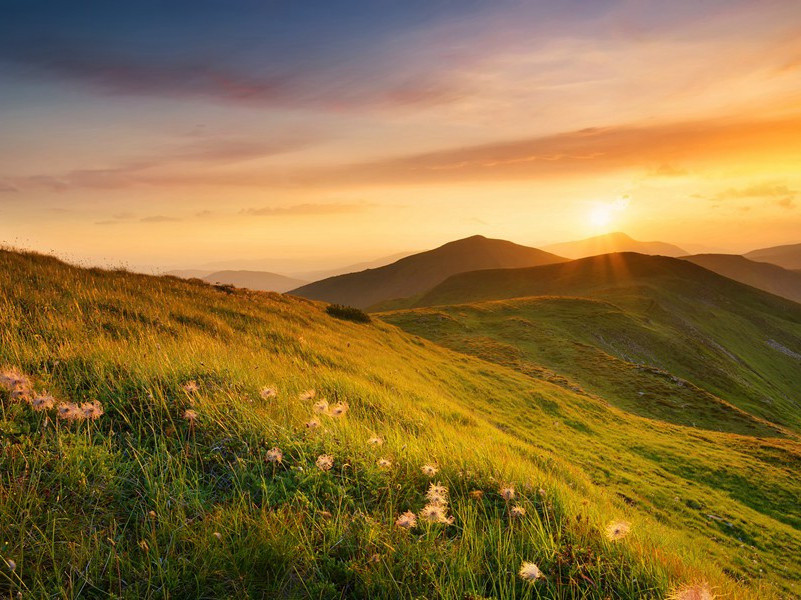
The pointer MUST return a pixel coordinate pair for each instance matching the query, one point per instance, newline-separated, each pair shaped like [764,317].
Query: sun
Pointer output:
[601,217]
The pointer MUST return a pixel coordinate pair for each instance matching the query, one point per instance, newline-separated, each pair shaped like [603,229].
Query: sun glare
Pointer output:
[601,217]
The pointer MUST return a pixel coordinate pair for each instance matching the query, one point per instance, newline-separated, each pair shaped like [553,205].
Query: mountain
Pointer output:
[788,256]
[613,242]
[419,272]
[733,341]
[216,490]
[371,264]
[762,275]
[255,280]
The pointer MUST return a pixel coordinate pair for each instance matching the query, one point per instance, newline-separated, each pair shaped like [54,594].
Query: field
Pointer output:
[176,489]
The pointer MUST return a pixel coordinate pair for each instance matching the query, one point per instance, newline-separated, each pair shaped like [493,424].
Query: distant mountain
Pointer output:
[788,256]
[764,276]
[255,280]
[371,264]
[419,272]
[613,242]
[188,273]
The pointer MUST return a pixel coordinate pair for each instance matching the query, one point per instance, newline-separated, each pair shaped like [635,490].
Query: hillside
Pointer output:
[254,280]
[612,242]
[762,275]
[734,341]
[419,272]
[171,483]
[788,256]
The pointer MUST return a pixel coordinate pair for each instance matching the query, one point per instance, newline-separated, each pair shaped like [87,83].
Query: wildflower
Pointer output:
[375,441]
[530,572]
[384,463]
[617,530]
[274,455]
[694,591]
[437,494]
[11,378]
[321,407]
[144,545]
[92,410]
[313,424]
[307,395]
[436,513]
[507,493]
[407,520]
[339,409]
[429,470]
[268,392]
[477,494]
[541,492]
[69,411]
[43,401]
[218,535]
[190,387]
[12,565]
[517,512]
[325,462]
[190,415]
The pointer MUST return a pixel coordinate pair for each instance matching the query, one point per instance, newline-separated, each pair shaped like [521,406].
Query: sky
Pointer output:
[294,136]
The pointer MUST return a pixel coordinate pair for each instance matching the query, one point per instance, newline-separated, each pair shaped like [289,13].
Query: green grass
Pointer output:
[129,505]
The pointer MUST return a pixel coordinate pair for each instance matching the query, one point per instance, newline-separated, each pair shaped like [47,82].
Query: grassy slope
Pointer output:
[75,499]
[736,342]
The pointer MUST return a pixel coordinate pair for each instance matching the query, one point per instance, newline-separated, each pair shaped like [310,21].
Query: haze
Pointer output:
[310,135]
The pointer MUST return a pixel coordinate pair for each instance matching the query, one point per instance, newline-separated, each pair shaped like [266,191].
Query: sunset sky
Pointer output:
[299,135]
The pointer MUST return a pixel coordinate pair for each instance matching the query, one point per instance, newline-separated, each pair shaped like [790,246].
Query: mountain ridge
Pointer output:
[418,272]
[609,243]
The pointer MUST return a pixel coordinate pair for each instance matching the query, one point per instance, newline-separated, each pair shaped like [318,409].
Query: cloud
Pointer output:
[7,188]
[158,219]
[270,83]
[780,194]
[306,209]
[204,154]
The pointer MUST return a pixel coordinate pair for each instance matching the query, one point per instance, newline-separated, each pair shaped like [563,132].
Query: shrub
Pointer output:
[348,313]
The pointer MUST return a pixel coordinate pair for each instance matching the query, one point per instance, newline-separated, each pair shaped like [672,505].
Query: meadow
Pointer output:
[169,438]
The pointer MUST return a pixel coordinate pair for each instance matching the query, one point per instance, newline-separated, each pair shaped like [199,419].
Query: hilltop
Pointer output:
[734,341]
[613,242]
[210,467]
[762,275]
[419,272]
[788,256]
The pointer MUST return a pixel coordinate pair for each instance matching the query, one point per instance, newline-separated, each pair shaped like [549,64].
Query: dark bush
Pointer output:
[348,313]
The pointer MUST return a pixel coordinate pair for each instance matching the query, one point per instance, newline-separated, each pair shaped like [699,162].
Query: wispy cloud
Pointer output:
[778,193]
[306,210]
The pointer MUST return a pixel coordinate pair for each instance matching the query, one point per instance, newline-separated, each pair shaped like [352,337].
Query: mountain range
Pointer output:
[612,242]
[788,256]
[419,272]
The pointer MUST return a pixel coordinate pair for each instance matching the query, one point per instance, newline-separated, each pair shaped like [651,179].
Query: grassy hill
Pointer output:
[736,342]
[788,256]
[613,242]
[764,276]
[419,272]
[176,489]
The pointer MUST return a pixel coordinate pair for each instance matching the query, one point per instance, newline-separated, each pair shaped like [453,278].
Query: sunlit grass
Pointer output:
[144,502]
